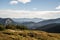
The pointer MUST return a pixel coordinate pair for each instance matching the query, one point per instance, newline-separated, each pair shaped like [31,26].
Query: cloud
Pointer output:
[58,7]
[24,1]
[13,2]
[29,14]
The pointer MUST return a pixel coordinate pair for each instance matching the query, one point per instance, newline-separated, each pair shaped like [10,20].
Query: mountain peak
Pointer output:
[6,21]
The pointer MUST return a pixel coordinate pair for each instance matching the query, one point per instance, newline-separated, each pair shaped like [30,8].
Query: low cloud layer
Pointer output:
[29,14]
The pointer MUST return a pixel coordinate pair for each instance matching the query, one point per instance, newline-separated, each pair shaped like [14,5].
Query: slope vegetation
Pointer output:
[10,34]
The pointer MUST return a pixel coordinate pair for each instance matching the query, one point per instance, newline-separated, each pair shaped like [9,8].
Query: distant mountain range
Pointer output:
[34,25]
[22,20]
[29,22]
[46,22]
[51,25]
[52,28]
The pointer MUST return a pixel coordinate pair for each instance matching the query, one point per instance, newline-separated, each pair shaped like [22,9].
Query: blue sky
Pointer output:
[47,9]
[42,5]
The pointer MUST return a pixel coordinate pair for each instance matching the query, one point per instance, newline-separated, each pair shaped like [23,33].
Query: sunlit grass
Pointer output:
[9,34]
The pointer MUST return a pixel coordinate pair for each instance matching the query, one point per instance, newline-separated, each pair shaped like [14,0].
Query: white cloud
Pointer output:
[24,1]
[13,2]
[29,14]
[58,7]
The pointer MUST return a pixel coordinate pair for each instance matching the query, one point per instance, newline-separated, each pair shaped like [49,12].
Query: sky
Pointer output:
[47,9]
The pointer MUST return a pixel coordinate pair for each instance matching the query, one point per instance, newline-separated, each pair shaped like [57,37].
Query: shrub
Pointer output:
[21,27]
[10,27]
[2,27]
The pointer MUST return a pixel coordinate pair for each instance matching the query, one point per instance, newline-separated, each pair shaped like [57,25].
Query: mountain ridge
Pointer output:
[52,28]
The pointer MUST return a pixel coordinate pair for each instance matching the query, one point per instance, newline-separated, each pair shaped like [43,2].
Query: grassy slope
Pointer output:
[9,34]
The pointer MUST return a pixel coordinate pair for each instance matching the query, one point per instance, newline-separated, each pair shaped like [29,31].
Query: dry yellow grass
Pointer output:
[9,34]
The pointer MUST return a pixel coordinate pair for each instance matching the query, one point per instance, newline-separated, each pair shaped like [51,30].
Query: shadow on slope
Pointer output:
[52,28]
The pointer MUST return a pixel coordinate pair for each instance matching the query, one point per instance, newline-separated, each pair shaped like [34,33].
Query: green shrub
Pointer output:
[10,27]
[2,27]
[21,27]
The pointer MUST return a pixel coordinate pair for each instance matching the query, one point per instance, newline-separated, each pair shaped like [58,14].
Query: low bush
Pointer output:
[2,27]
[21,27]
[10,27]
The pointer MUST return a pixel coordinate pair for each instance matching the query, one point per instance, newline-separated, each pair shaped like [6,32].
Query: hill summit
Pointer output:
[6,21]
